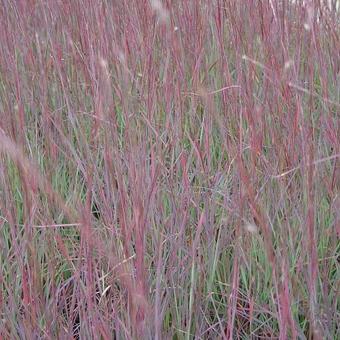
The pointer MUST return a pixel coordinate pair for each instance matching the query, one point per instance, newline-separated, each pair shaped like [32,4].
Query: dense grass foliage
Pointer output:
[169,169]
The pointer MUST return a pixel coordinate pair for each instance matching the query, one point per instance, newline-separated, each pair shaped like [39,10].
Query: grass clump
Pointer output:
[169,170]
